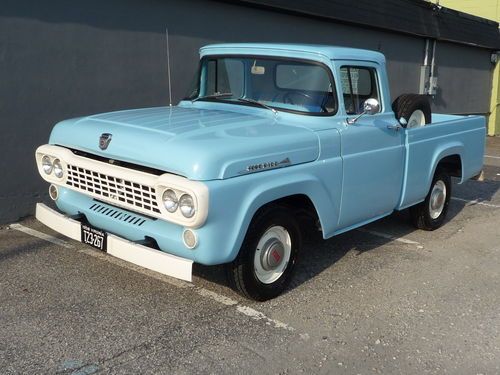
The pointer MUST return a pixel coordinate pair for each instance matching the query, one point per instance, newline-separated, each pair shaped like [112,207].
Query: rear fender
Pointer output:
[449,149]
[422,162]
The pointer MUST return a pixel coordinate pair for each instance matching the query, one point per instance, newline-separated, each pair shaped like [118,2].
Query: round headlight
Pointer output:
[187,205]
[46,165]
[170,200]
[58,169]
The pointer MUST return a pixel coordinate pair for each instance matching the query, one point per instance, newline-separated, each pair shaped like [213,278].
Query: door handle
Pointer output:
[394,127]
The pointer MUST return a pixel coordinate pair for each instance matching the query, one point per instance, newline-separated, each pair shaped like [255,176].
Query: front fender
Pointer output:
[234,202]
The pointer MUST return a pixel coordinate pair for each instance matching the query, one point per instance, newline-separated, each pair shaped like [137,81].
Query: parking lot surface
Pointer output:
[384,299]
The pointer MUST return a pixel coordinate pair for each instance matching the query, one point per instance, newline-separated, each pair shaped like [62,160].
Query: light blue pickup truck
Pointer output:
[272,139]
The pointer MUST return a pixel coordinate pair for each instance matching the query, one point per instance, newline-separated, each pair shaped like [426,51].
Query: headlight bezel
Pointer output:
[51,167]
[178,216]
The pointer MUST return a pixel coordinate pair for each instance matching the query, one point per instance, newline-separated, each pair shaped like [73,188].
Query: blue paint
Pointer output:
[187,141]
[78,367]
[353,174]
[71,364]
[87,370]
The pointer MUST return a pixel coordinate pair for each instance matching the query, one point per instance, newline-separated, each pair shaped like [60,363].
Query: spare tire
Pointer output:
[414,108]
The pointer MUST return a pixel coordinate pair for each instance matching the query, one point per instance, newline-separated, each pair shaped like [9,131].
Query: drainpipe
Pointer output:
[426,57]
[428,79]
[424,70]
[433,80]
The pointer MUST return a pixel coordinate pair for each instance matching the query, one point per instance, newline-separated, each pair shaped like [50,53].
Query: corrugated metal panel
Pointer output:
[416,17]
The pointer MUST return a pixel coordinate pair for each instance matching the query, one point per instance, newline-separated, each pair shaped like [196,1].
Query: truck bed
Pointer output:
[447,135]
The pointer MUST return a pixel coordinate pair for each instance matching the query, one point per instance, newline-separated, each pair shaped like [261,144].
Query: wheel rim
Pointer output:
[416,119]
[437,199]
[272,254]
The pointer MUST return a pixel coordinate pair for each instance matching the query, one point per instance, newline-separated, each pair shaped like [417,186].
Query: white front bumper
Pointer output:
[143,256]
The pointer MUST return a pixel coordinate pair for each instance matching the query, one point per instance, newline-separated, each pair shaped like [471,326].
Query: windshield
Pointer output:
[281,84]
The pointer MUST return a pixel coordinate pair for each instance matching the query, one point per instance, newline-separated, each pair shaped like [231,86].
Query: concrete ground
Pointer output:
[385,299]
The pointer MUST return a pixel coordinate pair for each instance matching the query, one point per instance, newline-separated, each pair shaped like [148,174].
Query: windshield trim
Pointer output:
[280,58]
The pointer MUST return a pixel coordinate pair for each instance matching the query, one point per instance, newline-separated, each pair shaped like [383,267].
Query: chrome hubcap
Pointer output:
[437,199]
[272,254]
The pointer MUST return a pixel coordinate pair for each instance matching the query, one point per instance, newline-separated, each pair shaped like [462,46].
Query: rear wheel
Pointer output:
[415,109]
[431,213]
[264,265]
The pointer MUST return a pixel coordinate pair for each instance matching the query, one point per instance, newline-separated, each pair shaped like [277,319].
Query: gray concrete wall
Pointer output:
[62,59]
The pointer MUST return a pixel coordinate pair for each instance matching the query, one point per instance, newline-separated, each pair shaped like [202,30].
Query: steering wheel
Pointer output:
[287,98]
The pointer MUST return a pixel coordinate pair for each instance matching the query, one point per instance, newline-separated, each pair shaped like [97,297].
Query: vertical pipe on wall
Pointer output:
[428,79]
[426,56]
[424,70]
[432,87]
[433,61]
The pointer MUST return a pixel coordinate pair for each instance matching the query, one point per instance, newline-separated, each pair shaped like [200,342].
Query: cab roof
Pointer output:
[330,52]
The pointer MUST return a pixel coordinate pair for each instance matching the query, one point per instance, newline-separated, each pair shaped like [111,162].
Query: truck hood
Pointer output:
[200,144]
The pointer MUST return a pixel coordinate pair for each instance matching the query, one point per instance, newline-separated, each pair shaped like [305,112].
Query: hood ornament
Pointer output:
[104,140]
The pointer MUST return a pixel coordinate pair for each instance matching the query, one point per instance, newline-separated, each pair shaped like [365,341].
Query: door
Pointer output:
[372,148]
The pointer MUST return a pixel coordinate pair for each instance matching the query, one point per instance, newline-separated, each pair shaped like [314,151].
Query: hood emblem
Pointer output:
[104,140]
[267,165]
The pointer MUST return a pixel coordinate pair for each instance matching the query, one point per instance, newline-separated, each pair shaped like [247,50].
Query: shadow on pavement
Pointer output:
[318,254]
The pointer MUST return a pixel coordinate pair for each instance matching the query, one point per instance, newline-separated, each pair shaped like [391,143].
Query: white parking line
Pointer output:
[388,236]
[475,201]
[245,310]
[216,297]
[492,157]
[257,315]
[43,236]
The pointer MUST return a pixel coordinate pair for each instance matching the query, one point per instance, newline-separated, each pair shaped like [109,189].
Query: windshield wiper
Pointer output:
[253,101]
[213,96]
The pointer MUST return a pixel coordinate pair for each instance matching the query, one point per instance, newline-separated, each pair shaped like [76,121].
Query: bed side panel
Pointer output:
[426,146]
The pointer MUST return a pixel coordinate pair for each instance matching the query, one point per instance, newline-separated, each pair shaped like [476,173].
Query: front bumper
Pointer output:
[140,255]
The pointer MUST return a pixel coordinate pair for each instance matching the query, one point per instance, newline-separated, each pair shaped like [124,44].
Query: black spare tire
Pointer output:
[414,108]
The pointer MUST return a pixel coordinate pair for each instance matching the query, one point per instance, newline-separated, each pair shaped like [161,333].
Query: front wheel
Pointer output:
[431,213]
[264,265]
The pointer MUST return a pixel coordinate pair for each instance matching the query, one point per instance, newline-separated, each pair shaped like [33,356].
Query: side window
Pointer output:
[358,84]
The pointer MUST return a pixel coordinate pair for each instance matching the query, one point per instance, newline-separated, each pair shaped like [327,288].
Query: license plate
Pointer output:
[94,237]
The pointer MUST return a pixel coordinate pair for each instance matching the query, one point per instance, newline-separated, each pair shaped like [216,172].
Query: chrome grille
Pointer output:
[117,189]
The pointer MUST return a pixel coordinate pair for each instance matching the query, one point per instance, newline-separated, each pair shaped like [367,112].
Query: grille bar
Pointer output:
[127,192]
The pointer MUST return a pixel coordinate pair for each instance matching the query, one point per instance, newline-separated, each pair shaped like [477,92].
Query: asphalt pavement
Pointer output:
[385,299]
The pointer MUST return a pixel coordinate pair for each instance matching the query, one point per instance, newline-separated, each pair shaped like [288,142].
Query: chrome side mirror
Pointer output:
[370,107]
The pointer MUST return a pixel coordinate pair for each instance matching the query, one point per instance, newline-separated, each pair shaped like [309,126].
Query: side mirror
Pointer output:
[370,107]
